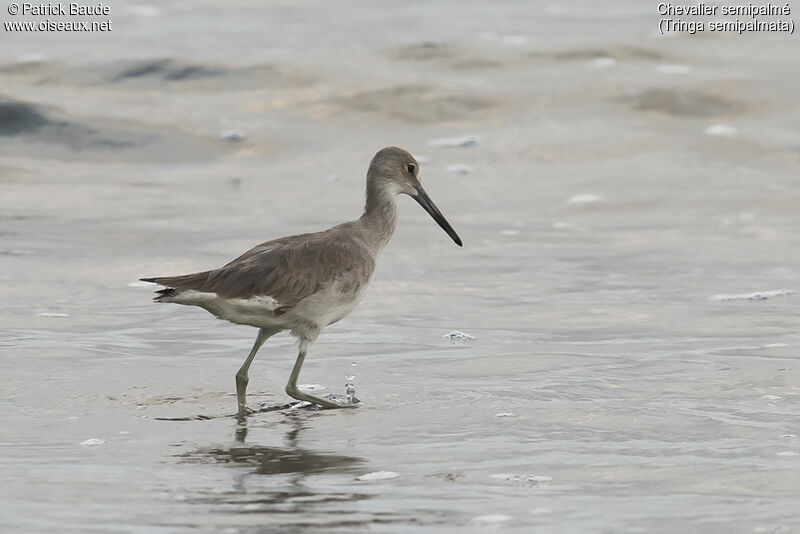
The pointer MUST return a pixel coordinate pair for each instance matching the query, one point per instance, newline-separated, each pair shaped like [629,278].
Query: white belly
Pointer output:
[256,311]
[305,319]
[326,307]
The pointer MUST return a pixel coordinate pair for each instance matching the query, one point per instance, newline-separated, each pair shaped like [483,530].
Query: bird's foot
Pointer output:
[329,402]
[343,401]
[244,411]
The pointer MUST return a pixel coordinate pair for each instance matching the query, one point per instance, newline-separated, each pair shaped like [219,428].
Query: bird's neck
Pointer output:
[380,215]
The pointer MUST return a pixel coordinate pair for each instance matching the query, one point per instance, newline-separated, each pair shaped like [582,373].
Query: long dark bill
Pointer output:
[426,202]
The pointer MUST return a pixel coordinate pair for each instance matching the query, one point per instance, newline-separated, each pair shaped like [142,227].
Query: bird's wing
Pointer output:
[287,270]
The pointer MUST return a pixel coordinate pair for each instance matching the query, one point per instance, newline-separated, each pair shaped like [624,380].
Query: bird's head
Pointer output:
[395,171]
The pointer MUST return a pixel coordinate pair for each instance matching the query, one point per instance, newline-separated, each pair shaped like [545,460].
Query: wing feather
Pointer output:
[287,269]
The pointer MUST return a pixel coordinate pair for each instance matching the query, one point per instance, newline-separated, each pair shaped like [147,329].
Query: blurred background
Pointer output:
[628,203]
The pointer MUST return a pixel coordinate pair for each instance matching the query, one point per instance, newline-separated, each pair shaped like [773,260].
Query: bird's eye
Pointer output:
[410,168]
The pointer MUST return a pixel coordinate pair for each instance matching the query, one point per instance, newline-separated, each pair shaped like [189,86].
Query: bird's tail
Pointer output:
[175,284]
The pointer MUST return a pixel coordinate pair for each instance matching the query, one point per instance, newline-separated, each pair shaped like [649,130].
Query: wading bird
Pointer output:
[306,282]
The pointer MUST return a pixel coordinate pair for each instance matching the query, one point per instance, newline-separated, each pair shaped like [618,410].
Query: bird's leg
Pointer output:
[291,386]
[241,374]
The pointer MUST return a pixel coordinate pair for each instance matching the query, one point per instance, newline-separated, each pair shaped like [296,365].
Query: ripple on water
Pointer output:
[722,130]
[585,198]
[524,479]
[492,518]
[758,295]
[310,387]
[378,475]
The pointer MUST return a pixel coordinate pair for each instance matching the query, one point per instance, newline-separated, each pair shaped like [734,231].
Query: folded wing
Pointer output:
[287,270]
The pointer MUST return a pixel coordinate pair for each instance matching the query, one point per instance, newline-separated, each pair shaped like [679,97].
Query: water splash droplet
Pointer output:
[459,335]
[350,388]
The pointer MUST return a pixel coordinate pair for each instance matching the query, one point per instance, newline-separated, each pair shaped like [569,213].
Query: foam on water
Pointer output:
[758,295]
[492,518]
[586,198]
[722,130]
[525,479]
[378,475]
[510,232]
[459,336]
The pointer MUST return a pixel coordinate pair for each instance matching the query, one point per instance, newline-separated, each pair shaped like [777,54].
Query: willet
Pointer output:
[306,282]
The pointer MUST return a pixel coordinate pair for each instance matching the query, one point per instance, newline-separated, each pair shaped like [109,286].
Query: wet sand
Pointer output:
[625,203]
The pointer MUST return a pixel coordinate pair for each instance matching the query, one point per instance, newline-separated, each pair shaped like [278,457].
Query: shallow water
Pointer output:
[623,374]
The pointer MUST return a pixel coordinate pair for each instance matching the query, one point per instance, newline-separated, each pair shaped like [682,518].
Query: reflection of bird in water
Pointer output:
[292,458]
[288,493]
[305,282]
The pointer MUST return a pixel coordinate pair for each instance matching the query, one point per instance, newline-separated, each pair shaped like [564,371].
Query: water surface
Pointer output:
[608,387]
